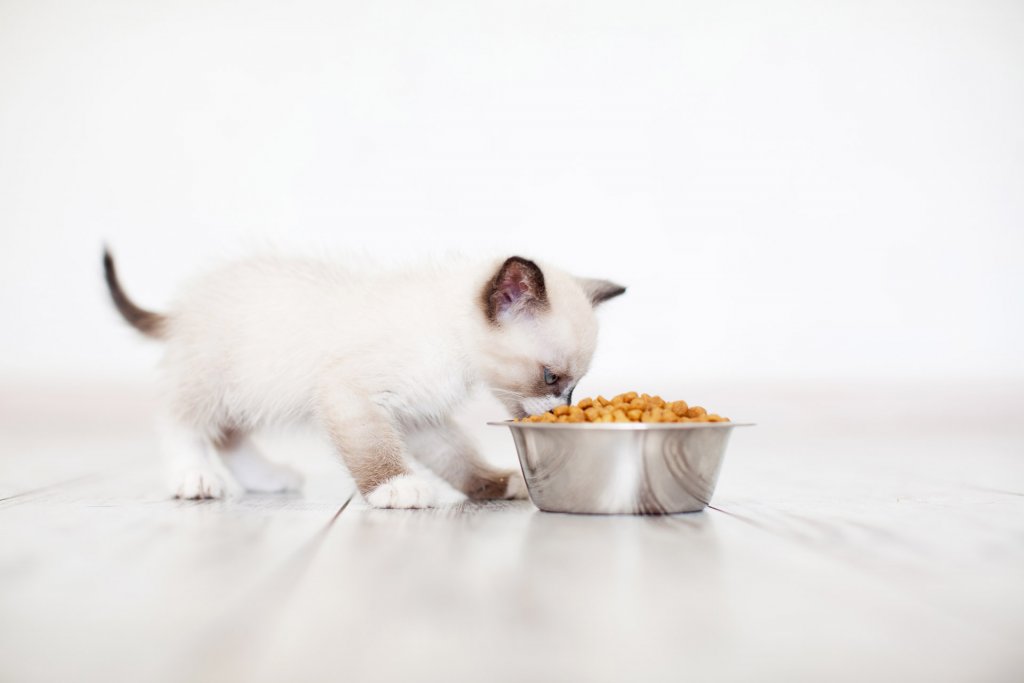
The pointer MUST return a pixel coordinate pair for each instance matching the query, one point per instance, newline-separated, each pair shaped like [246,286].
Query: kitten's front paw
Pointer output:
[404,491]
[516,487]
[197,484]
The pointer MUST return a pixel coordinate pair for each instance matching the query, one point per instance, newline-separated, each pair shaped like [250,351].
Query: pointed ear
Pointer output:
[599,291]
[517,287]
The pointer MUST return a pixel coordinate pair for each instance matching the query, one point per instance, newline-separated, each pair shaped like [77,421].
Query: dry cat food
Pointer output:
[628,407]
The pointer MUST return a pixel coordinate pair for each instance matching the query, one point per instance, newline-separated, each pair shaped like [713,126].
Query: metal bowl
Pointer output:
[614,468]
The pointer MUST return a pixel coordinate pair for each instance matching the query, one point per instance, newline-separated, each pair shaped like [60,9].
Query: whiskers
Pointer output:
[502,393]
[513,400]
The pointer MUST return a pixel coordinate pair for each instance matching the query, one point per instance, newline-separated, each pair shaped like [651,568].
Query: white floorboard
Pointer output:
[841,546]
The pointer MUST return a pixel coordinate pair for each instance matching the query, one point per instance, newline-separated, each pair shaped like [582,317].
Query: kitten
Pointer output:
[379,359]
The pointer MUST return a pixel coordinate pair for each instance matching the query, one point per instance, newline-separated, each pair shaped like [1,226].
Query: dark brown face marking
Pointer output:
[517,286]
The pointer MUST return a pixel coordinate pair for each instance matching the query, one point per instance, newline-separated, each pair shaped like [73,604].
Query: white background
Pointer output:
[790,190]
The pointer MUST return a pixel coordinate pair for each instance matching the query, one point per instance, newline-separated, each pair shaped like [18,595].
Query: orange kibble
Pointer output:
[626,407]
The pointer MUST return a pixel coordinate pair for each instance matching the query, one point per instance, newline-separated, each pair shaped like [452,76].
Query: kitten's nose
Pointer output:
[568,397]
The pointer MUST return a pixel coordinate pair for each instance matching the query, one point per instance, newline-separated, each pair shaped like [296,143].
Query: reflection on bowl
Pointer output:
[621,468]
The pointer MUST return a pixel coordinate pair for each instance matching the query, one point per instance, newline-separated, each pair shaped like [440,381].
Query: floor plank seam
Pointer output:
[20,497]
[255,613]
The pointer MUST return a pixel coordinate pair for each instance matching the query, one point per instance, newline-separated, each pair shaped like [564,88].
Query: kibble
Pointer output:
[627,407]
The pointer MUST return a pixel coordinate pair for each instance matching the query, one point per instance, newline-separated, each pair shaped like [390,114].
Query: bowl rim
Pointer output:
[621,426]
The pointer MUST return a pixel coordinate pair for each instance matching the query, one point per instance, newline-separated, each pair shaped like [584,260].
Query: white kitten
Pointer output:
[379,359]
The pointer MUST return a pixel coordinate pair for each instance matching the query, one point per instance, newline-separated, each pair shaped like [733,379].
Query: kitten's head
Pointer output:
[542,332]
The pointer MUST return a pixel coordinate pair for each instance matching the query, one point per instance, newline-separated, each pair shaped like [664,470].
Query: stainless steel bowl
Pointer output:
[610,468]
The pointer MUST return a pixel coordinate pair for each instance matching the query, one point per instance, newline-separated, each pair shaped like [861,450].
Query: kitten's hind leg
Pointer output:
[449,452]
[191,465]
[252,470]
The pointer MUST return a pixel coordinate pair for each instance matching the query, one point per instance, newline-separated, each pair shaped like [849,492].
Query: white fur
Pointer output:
[255,473]
[191,465]
[405,491]
[516,487]
[275,340]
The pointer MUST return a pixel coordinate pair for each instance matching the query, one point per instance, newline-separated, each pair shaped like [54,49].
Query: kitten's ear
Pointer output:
[599,291]
[517,287]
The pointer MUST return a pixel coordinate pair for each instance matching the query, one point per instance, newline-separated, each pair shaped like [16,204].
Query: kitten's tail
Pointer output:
[147,322]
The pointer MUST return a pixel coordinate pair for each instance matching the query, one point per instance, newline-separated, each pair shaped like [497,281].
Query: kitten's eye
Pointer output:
[549,377]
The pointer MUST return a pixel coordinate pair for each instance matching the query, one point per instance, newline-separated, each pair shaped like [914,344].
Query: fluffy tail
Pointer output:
[148,323]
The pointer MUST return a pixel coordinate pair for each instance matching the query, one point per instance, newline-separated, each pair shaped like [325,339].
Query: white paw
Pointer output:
[405,491]
[281,478]
[197,484]
[516,487]
[268,477]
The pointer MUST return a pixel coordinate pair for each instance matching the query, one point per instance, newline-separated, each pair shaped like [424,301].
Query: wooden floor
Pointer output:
[858,533]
